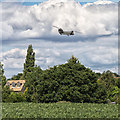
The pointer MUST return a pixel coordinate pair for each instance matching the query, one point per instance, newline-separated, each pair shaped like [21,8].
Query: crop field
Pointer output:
[59,110]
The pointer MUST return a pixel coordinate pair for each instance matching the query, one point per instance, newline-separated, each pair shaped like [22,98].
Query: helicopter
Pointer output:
[62,32]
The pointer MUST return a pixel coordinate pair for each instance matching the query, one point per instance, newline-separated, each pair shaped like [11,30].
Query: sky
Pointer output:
[74,0]
[96,44]
[47,0]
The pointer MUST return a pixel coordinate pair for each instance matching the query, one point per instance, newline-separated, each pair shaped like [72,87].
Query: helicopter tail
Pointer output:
[72,33]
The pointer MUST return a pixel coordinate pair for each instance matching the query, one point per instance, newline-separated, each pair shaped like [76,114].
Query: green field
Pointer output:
[59,110]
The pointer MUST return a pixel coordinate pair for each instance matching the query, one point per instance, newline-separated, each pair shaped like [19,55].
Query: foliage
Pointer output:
[115,96]
[1,69]
[17,77]
[10,96]
[32,84]
[118,82]
[5,93]
[2,77]
[116,75]
[29,61]
[5,90]
[107,78]
[109,81]
[67,82]
[59,110]
[16,97]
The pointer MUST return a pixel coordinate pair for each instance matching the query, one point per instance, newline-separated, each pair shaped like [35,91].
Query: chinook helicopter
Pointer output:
[62,32]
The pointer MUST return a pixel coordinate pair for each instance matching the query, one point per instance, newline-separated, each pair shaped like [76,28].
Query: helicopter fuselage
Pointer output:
[61,32]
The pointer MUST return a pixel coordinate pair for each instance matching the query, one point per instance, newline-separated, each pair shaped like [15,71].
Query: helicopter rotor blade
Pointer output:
[77,32]
[56,27]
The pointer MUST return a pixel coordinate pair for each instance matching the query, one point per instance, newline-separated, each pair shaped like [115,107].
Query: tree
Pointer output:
[118,82]
[73,60]
[17,77]
[1,70]
[67,82]
[5,94]
[2,77]
[115,95]
[16,97]
[29,61]
[32,84]
[108,81]
[5,90]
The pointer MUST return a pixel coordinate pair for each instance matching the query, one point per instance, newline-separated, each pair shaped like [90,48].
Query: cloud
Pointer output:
[102,52]
[14,53]
[14,58]
[96,47]
[6,31]
[99,55]
[92,20]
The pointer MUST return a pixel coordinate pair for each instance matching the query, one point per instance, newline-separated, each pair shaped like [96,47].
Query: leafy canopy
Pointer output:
[29,61]
[67,82]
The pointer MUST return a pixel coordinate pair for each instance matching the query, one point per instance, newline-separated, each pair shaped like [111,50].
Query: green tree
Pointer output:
[118,82]
[2,77]
[115,96]
[73,60]
[17,77]
[67,82]
[1,70]
[5,90]
[108,81]
[107,78]
[29,61]
[5,94]
[32,83]
[16,97]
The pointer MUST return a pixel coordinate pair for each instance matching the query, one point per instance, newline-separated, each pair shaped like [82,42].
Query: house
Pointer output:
[16,85]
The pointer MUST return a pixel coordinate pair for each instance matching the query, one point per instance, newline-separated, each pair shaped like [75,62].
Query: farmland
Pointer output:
[59,110]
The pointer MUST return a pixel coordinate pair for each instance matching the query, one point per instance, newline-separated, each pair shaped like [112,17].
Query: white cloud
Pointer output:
[99,2]
[98,55]
[13,63]
[14,58]
[98,18]
[6,31]
[14,53]
[103,51]
[96,47]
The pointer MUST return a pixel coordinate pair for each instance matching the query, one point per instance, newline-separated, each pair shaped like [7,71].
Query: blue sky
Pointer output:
[46,0]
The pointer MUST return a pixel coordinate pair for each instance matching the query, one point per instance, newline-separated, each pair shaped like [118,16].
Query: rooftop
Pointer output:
[16,85]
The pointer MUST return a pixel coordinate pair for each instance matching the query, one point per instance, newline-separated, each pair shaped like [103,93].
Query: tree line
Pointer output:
[71,81]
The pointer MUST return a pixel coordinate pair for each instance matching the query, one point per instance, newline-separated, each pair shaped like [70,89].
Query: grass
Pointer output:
[59,110]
